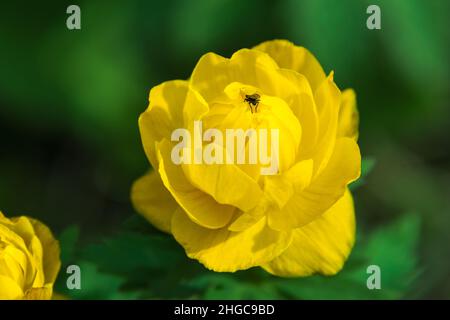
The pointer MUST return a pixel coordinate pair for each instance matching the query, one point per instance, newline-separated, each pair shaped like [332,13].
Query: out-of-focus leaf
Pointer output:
[68,240]
[415,45]
[233,286]
[392,248]
[367,165]
[326,28]
[99,285]
[202,25]
[154,265]
[129,251]
[95,283]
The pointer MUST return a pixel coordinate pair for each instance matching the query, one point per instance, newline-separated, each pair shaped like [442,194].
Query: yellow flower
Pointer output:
[229,216]
[29,259]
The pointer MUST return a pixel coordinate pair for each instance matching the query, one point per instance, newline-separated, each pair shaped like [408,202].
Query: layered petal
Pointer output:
[213,73]
[43,293]
[309,204]
[13,263]
[226,184]
[280,188]
[9,289]
[301,101]
[274,119]
[328,99]
[51,251]
[227,251]
[153,201]
[245,212]
[11,232]
[348,115]
[321,246]
[199,206]
[289,56]
[29,259]
[163,115]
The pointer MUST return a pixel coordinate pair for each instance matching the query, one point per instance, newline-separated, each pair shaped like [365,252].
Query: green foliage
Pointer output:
[68,240]
[151,265]
[141,262]
[392,248]
[251,284]
[99,285]
[367,165]
[69,104]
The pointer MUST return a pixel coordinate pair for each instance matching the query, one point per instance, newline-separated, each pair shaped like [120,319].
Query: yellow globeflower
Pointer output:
[29,259]
[230,215]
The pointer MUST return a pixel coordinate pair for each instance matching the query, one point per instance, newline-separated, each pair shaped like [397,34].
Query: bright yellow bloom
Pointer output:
[229,216]
[29,259]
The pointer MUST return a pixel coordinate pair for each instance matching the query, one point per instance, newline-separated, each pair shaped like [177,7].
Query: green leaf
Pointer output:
[367,165]
[234,286]
[68,240]
[414,42]
[96,284]
[392,248]
[152,264]
[127,251]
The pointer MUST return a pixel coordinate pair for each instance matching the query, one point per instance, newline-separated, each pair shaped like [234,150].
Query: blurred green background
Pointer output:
[70,147]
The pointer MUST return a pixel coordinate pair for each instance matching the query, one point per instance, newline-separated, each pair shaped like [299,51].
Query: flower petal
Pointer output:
[37,253]
[13,263]
[305,206]
[225,183]
[199,206]
[348,115]
[301,101]
[280,188]
[327,98]
[163,115]
[251,67]
[321,246]
[19,232]
[42,293]
[31,255]
[222,250]
[289,56]
[9,289]
[151,199]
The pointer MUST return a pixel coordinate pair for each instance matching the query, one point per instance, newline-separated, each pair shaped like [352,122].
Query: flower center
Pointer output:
[253,101]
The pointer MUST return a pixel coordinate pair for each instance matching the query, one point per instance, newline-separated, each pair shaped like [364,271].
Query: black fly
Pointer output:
[253,100]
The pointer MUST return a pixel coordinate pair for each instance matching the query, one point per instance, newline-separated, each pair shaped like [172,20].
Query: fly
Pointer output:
[253,100]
